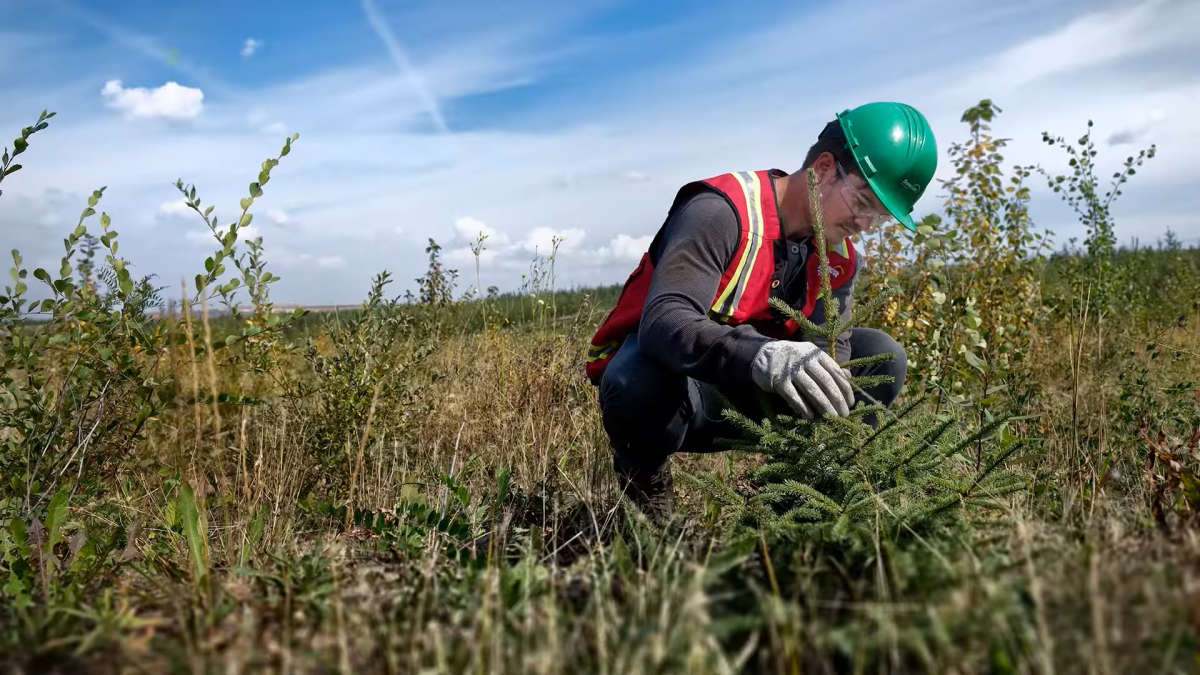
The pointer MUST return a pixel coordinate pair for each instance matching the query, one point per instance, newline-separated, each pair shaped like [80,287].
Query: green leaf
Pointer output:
[973,359]
[104,221]
[19,146]
[195,530]
[246,202]
[88,212]
[255,190]
[12,169]
[171,513]
[41,275]
[56,516]
[246,217]
[125,282]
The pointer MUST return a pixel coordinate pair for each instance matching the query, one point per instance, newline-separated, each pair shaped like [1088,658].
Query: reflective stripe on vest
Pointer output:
[753,234]
[743,293]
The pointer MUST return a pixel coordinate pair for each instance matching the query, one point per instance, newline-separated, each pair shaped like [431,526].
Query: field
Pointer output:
[424,484]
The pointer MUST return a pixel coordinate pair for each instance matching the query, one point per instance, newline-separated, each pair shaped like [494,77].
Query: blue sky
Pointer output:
[527,120]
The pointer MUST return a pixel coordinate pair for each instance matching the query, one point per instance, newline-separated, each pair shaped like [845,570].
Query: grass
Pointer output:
[426,486]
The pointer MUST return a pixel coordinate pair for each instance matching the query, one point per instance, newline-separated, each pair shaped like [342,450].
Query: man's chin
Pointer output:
[834,234]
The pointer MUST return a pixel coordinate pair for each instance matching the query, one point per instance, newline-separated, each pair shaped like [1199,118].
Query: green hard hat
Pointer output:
[895,151]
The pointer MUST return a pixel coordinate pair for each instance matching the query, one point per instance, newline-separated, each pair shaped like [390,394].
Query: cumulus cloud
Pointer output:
[380,166]
[277,216]
[204,236]
[35,225]
[249,47]
[176,208]
[542,240]
[502,252]
[467,230]
[624,247]
[171,101]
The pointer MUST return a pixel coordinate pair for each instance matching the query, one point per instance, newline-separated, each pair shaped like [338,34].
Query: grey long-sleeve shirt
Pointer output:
[690,255]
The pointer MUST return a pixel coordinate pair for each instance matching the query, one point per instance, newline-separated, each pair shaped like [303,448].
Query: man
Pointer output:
[693,324]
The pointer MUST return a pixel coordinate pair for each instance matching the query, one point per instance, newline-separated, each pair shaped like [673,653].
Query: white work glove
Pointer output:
[805,376]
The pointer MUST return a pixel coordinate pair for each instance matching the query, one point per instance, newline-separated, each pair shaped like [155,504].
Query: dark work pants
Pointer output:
[650,413]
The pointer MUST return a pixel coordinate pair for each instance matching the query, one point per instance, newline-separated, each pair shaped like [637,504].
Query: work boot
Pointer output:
[649,487]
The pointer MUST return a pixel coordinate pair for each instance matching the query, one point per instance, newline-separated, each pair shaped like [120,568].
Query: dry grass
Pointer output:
[378,508]
[1106,594]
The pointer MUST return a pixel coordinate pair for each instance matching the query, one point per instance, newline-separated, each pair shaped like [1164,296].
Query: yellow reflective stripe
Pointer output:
[600,352]
[842,249]
[727,302]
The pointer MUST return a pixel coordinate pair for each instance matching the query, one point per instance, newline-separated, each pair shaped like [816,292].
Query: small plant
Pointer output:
[20,144]
[436,287]
[881,509]
[363,385]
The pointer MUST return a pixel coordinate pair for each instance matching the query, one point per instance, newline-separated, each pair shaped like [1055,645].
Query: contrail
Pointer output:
[405,66]
[145,46]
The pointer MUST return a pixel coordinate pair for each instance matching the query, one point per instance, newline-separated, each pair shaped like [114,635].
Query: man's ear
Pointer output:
[824,165]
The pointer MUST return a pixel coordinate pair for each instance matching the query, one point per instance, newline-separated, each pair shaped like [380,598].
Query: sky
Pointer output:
[529,120]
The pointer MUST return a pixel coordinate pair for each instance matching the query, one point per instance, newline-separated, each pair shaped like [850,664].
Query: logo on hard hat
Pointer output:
[910,185]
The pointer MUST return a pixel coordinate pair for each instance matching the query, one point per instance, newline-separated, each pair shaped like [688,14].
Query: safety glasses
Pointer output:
[859,205]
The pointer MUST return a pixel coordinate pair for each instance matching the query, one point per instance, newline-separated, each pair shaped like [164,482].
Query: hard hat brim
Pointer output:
[888,203]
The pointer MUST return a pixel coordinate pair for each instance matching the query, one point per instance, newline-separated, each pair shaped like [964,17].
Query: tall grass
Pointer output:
[423,484]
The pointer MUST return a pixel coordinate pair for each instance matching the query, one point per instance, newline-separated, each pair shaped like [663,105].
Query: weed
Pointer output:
[421,483]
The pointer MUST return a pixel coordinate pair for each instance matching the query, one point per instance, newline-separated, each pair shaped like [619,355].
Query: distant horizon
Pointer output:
[531,121]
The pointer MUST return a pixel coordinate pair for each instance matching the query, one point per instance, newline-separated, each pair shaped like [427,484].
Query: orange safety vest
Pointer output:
[745,288]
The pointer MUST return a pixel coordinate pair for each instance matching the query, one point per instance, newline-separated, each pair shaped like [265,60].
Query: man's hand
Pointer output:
[806,377]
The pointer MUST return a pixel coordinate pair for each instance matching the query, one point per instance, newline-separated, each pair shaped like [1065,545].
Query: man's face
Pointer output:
[850,207]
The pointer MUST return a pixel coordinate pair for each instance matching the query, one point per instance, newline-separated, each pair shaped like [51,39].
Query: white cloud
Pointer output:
[468,229]
[1091,40]
[204,236]
[383,188]
[286,258]
[625,248]
[177,208]
[277,216]
[1139,131]
[170,101]
[547,241]
[249,47]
